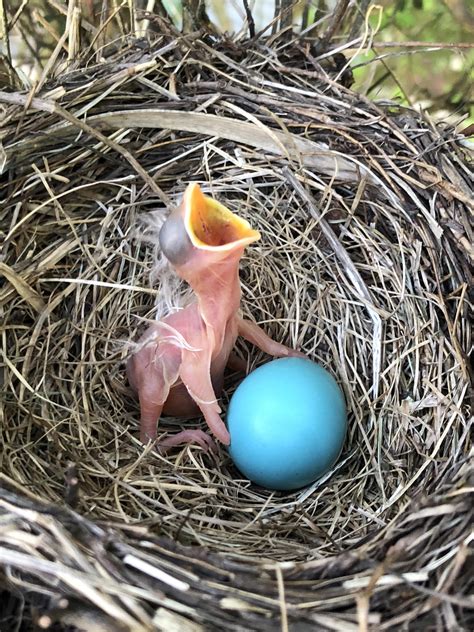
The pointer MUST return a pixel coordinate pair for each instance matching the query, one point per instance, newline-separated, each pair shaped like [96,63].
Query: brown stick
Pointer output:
[336,20]
[250,20]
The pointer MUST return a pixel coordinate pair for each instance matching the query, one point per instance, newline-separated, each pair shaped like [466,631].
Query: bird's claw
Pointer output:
[294,353]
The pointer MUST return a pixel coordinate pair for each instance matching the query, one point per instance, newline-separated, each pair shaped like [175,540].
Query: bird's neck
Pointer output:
[218,292]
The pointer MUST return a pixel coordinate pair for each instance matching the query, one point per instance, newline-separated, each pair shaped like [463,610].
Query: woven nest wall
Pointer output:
[365,212]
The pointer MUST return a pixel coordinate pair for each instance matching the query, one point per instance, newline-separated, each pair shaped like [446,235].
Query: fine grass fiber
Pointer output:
[365,211]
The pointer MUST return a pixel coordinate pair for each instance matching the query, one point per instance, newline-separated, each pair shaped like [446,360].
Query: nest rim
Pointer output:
[358,238]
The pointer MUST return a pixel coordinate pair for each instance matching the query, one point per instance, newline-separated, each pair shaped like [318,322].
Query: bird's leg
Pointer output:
[151,372]
[255,334]
[150,413]
[196,375]
[153,391]
[152,394]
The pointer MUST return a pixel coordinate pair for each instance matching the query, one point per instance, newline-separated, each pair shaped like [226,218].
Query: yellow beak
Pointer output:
[211,226]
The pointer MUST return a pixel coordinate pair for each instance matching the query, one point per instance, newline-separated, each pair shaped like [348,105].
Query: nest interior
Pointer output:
[364,210]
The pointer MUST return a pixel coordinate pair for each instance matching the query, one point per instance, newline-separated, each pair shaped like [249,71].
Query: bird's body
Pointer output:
[179,365]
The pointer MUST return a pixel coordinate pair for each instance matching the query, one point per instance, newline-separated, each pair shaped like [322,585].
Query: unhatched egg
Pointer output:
[287,422]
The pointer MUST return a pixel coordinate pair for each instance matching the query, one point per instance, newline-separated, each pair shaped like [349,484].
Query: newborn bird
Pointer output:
[179,365]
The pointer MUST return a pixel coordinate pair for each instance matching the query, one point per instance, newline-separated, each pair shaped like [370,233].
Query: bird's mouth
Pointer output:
[211,226]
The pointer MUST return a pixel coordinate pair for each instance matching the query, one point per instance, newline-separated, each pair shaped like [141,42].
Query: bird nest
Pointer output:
[364,210]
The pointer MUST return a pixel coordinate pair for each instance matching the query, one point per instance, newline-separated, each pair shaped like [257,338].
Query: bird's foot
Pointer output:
[255,334]
[184,437]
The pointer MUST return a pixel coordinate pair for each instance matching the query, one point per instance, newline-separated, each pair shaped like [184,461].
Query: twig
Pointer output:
[361,9]
[282,599]
[276,16]
[336,20]
[286,17]
[194,15]
[50,106]
[19,11]
[305,15]
[250,20]
[413,44]
[4,39]
[71,492]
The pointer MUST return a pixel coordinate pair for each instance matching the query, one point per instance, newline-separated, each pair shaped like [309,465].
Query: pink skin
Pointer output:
[179,366]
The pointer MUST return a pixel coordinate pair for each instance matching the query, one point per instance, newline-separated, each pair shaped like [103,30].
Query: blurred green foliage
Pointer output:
[439,79]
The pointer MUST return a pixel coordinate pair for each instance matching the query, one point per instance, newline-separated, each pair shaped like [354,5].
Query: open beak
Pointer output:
[200,224]
[211,226]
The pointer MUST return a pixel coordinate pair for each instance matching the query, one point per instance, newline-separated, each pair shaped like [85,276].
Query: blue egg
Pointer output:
[287,422]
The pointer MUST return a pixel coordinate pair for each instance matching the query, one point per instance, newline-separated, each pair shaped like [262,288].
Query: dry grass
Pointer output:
[366,216]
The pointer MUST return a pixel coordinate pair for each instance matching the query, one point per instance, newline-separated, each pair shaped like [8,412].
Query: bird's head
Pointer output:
[201,234]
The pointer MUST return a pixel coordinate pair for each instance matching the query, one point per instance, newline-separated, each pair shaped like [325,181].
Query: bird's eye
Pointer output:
[174,240]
